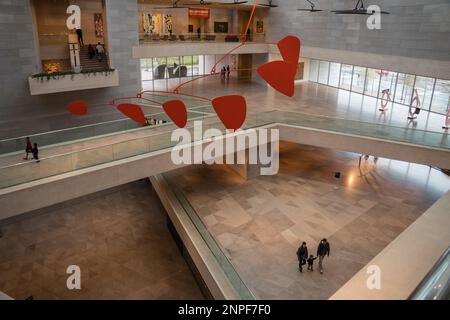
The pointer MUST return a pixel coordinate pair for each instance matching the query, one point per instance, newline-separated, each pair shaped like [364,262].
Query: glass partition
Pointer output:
[346,77]
[66,162]
[388,80]
[372,82]
[424,87]
[441,96]
[404,89]
[335,72]
[313,70]
[359,79]
[434,93]
[324,67]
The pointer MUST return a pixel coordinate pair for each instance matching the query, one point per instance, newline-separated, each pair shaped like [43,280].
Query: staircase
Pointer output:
[90,64]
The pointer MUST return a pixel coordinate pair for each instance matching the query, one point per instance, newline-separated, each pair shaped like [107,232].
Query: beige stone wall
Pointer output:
[51,18]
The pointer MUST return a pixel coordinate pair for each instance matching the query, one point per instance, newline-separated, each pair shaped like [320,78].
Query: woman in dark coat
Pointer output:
[302,255]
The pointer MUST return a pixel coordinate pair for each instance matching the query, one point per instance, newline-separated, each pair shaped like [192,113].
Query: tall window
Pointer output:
[441,96]
[404,90]
[372,82]
[424,87]
[313,70]
[359,79]
[335,69]
[346,77]
[323,72]
[388,81]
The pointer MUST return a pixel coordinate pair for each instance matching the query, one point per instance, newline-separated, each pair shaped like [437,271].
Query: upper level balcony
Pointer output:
[198,44]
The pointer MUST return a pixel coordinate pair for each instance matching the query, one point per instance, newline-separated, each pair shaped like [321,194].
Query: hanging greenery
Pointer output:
[62,74]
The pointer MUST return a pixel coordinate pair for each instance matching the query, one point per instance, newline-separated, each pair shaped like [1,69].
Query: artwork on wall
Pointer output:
[147,23]
[168,24]
[220,27]
[98,23]
[259,26]
[151,24]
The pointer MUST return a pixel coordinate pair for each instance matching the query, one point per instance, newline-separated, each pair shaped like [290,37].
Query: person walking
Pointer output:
[100,52]
[36,153]
[311,262]
[28,148]
[80,36]
[323,250]
[91,51]
[302,255]
[228,72]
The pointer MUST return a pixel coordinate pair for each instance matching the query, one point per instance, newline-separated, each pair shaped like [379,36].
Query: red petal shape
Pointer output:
[290,49]
[133,112]
[232,110]
[176,110]
[280,75]
[78,108]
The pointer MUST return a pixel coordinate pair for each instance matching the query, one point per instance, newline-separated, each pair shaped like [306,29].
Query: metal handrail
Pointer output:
[436,284]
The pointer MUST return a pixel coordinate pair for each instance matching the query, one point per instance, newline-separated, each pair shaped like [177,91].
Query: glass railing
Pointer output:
[145,39]
[61,163]
[91,131]
[235,280]
[436,284]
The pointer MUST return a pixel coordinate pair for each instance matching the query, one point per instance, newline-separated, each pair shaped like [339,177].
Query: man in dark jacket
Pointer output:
[302,255]
[322,251]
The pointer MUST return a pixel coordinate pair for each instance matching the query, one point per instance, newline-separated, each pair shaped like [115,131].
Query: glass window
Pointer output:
[313,70]
[195,65]
[372,82]
[441,96]
[146,70]
[323,72]
[186,66]
[335,69]
[388,81]
[346,77]
[424,87]
[359,79]
[404,90]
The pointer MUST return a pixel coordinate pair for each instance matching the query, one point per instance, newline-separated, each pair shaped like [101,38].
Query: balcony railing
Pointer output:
[145,39]
[436,285]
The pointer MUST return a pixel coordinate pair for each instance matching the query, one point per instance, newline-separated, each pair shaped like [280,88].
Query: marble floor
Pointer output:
[261,222]
[118,238]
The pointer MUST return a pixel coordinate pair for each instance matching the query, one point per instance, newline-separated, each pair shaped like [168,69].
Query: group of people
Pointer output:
[98,51]
[32,149]
[225,72]
[302,254]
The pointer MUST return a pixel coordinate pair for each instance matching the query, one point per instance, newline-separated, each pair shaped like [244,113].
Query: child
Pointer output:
[36,153]
[311,262]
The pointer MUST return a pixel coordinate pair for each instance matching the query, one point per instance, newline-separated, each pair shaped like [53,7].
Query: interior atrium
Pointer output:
[224,150]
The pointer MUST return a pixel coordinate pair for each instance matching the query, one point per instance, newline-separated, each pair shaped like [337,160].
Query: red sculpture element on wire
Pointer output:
[290,49]
[176,110]
[133,111]
[231,109]
[281,74]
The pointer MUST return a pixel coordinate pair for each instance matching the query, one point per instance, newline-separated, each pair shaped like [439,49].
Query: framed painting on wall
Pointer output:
[220,27]
[98,23]
[260,26]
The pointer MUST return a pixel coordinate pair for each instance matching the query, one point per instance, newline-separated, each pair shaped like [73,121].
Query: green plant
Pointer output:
[62,74]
